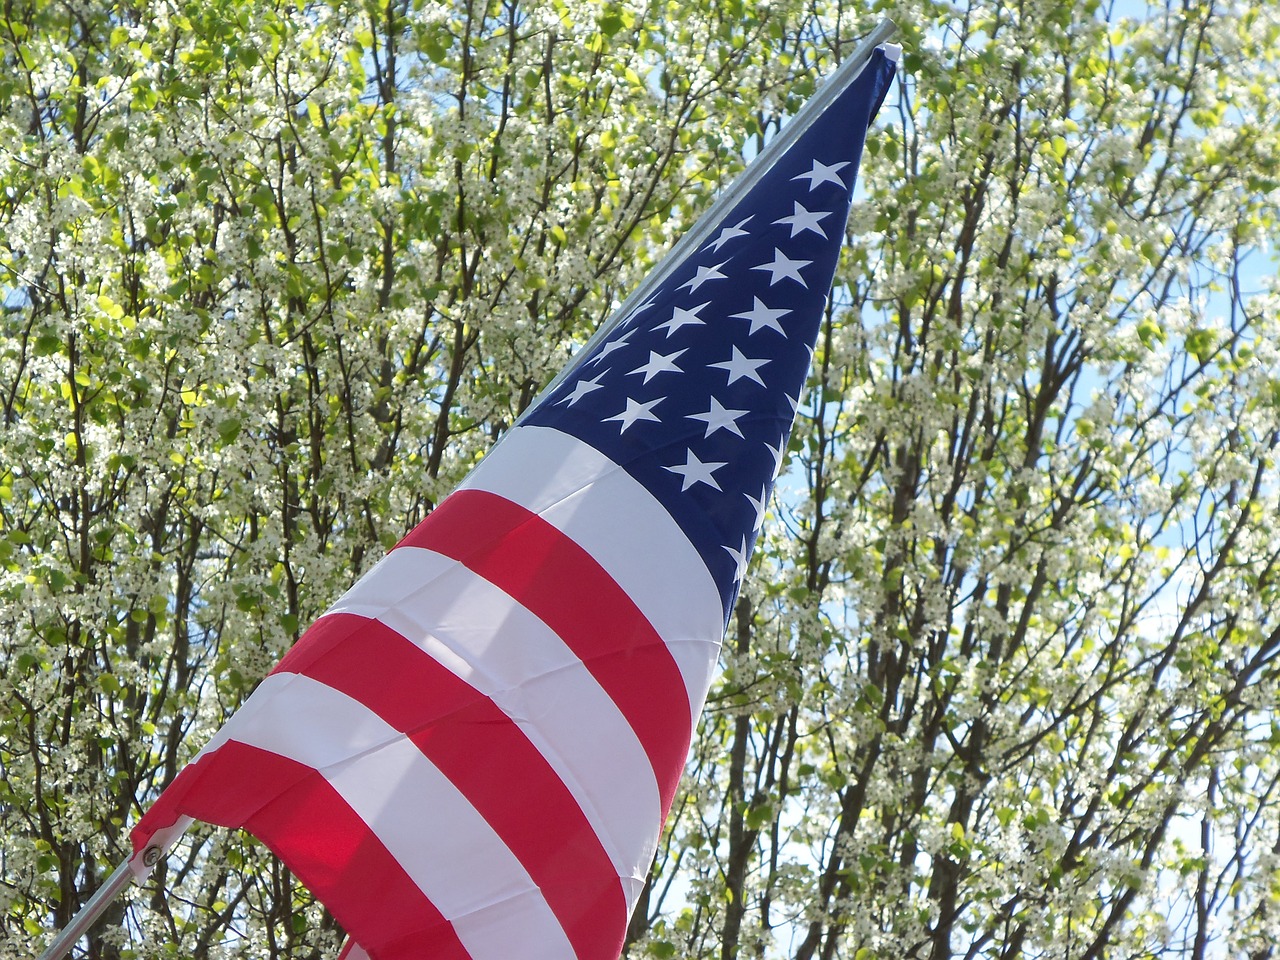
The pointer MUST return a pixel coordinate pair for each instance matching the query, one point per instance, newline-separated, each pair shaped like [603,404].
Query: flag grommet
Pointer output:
[151,856]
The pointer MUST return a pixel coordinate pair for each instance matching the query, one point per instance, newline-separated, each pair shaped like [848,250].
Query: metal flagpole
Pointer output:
[831,87]
[82,921]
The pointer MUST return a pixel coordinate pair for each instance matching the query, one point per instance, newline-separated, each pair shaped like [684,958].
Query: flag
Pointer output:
[472,753]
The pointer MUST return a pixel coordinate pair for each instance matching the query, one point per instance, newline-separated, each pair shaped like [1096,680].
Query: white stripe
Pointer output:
[483,636]
[597,504]
[431,829]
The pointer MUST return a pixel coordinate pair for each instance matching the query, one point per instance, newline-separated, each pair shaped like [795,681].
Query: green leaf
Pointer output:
[229,429]
[1200,344]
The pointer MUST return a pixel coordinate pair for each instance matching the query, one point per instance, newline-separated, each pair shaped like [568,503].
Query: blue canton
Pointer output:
[695,392]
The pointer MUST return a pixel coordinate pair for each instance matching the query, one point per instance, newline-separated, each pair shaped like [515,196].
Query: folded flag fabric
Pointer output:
[472,753]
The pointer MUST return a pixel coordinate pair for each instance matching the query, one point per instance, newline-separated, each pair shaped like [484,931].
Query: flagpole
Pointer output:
[93,908]
[830,89]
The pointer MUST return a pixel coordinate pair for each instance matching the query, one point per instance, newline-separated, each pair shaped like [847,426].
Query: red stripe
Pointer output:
[300,817]
[561,584]
[487,757]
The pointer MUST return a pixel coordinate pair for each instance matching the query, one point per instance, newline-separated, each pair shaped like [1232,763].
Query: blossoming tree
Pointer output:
[1001,682]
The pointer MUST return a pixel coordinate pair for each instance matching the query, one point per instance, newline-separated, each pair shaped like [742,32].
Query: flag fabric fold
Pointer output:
[472,753]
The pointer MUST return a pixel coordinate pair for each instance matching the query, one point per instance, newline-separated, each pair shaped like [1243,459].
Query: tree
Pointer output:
[1014,633]
[275,275]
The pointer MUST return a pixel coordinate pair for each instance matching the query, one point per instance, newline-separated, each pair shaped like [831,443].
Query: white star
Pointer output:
[759,506]
[727,234]
[680,317]
[694,471]
[778,453]
[739,366]
[740,557]
[611,346]
[822,173]
[762,316]
[702,276]
[636,411]
[802,220]
[583,388]
[718,418]
[658,363]
[784,267]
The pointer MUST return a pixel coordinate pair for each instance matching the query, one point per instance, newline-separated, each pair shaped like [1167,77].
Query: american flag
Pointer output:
[472,753]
